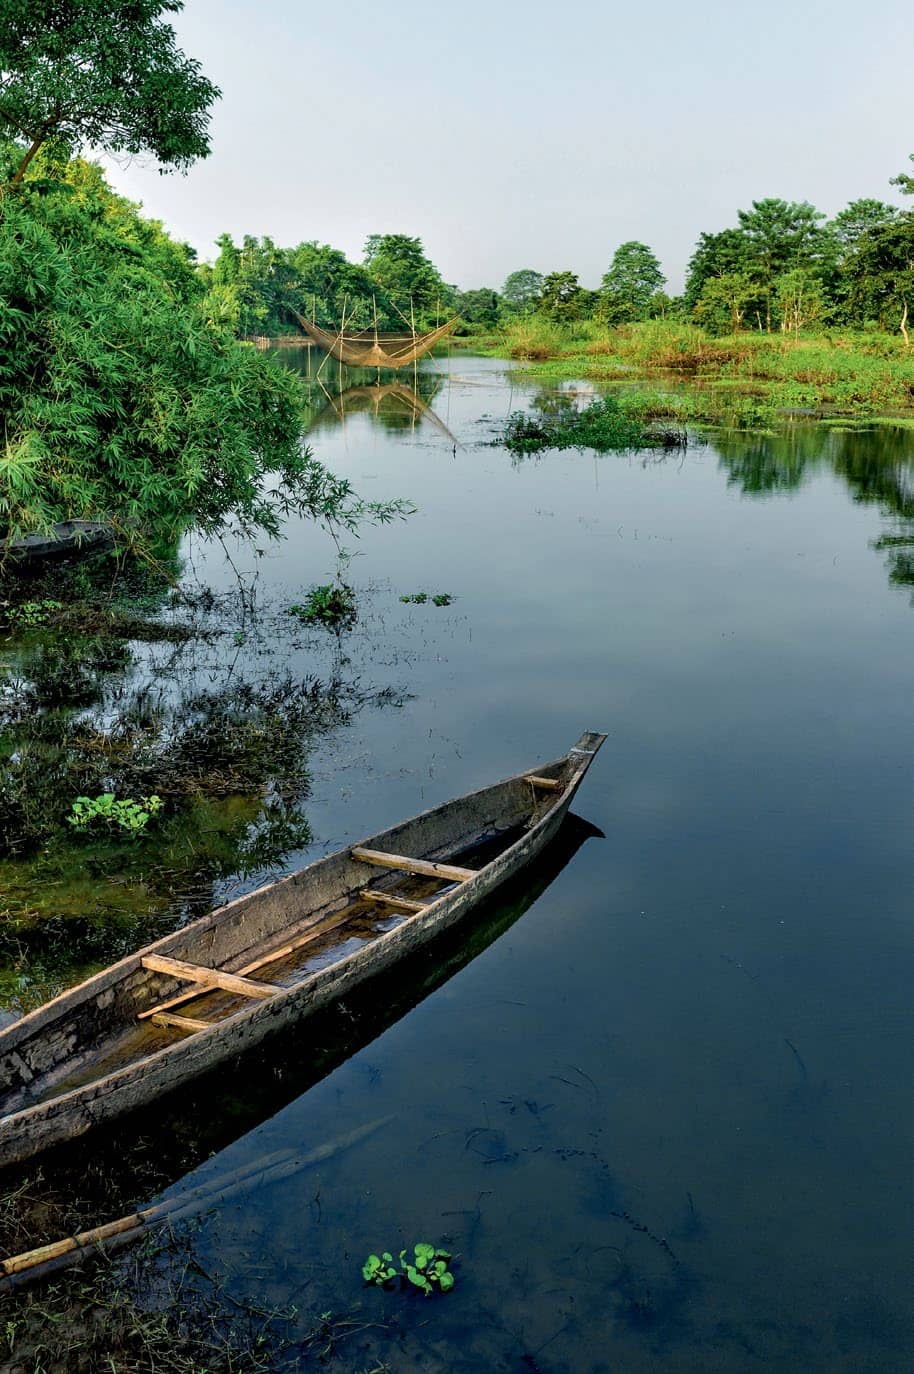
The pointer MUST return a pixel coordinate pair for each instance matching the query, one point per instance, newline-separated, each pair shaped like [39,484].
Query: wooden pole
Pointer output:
[412,321]
[46,1259]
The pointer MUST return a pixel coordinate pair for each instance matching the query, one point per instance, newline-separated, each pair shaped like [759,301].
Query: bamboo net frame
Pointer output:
[368,348]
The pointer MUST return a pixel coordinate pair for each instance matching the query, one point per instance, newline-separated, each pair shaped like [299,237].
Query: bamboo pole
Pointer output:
[412,322]
[44,1260]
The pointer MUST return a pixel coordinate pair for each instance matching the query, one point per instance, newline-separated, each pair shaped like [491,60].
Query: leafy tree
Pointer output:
[327,283]
[715,255]
[904,180]
[104,73]
[800,299]
[781,235]
[857,219]
[879,275]
[633,280]
[124,399]
[522,289]
[721,307]
[409,280]
[479,307]
[560,298]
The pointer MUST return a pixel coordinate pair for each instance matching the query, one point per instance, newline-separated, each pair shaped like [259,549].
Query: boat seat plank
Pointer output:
[207,977]
[547,784]
[371,894]
[314,932]
[184,1023]
[426,868]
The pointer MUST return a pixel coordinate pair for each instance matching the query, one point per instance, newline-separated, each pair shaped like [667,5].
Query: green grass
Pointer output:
[854,374]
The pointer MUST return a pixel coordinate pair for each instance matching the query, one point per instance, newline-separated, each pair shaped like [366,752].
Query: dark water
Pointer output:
[664,1121]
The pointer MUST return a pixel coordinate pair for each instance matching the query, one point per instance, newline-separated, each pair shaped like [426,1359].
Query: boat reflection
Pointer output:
[148,1151]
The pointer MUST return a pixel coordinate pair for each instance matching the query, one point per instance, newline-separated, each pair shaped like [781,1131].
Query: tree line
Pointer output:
[258,287]
[782,266]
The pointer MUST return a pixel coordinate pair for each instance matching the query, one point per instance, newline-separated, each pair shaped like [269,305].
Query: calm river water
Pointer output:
[664,1121]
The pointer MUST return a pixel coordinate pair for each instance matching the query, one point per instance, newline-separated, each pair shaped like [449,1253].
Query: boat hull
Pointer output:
[72,1113]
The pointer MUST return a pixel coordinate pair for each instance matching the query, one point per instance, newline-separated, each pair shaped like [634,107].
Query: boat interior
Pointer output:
[245,956]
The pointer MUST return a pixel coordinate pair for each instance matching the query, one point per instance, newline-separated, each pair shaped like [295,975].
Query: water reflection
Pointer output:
[146,1152]
[155,695]
[704,1026]
[876,464]
[392,406]
[335,393]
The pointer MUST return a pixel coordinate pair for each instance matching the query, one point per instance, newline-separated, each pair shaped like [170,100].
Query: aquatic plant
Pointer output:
[126,814]
[420,598]
[29,614]
[333,604]
[426,1270]
[603,425]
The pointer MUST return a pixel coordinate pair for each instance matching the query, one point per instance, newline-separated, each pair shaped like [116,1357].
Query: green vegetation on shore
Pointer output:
[125,395]
[743,378]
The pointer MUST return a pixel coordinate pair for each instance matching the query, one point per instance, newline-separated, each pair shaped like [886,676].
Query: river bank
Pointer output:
[739,381]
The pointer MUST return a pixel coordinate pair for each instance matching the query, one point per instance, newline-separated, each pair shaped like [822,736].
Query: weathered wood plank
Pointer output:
[424,867]
[547,784]
[182,1023]
[207,977]
[371,894]
[314,932]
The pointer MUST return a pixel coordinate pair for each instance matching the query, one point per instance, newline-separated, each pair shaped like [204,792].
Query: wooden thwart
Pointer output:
[371,894]
[184,1023]
[547,784]
[207,977]
[421,866]
[271,957]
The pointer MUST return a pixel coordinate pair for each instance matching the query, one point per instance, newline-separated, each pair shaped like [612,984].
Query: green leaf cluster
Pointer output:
[331,604]
[420,598]
[109,75]
[126,814]
[426,1269]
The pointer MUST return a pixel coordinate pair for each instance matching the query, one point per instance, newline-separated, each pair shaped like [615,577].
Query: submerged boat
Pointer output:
[207,992]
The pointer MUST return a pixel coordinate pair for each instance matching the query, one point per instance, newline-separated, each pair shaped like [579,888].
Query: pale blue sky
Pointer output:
[511,135]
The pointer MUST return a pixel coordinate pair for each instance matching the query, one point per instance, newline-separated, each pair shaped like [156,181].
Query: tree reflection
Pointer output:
[877,465]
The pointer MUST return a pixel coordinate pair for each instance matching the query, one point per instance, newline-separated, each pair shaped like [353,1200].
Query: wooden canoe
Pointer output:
[66,538]
[215,988]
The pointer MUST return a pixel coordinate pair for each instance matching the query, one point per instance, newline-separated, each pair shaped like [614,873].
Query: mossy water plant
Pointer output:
[332,604]
[603,425]
[30,614]
[422,598]
[427,1269]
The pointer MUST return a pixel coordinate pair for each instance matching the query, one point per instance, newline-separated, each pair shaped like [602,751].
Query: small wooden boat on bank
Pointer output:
[66,539]
[207,992]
